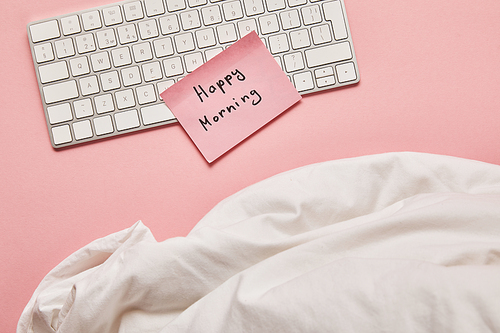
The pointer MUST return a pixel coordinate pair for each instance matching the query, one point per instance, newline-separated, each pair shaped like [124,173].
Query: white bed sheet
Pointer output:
[398,242]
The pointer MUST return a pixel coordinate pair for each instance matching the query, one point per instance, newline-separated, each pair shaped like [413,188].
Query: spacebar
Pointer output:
[328,54]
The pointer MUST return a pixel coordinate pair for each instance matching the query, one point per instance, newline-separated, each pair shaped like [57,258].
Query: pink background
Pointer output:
[430,82]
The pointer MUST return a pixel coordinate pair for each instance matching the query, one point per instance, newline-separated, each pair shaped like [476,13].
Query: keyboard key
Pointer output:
[294,62]
[325,81]
[247,26]
[226,33]
[193,61]
[131,76]
[321,34]
[184,42]
[91,20]
[232,10]
[142,52]
[79,66]
[190,20]
[169,24]
[303,81]
[333,13]
[60,91]
[85,43]
[125,99]
[273,5]
[61,134]
[83,108]
[103,125]
[173,66]
[82,130]
[278,43]
[300,39]
[152,71]
[112,15]
[346,72]
[44,31]
[104,103]
[89,85]
[110,81]
[293,3]
[328,54]
[211,15]
[154,7]
[127,34]
[253,7]
[70,25]
[59,113]
[148,29]
[196,3]
[65,48]
[146,94]
[174,5]
[290,19]
[163,47]
[106,38]
[322,72]
[53,72]
[133,11]
[156,113]
[121,57]
[268,24]
[324,77]
[100,61]
[126,120]
[205,38]
[44,52]
[311,14]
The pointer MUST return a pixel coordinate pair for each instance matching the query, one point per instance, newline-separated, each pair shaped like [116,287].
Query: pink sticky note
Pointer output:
[231,96]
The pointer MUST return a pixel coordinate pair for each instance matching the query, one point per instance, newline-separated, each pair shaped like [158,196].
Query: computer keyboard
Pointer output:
[101,71]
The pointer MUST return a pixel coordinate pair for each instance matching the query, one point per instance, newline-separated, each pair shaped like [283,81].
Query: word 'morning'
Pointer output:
[220,115]
[219,84]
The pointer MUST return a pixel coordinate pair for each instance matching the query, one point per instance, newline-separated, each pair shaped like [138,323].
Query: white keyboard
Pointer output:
[101,70]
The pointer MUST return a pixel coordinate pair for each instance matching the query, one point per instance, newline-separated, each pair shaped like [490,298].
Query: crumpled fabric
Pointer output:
[397,242]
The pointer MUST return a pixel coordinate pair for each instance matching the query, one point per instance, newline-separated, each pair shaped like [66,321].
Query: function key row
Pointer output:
[108,16]
[138,10]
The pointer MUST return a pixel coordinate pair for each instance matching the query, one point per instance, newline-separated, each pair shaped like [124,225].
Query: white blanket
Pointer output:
[400,242]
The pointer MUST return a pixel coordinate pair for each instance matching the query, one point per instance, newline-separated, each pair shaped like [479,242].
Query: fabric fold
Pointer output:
[389,242]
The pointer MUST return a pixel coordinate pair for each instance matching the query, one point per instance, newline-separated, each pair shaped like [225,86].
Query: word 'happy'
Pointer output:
[219,85]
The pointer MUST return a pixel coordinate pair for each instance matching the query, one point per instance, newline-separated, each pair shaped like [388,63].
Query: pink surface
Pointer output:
[244,78]
[430,82]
